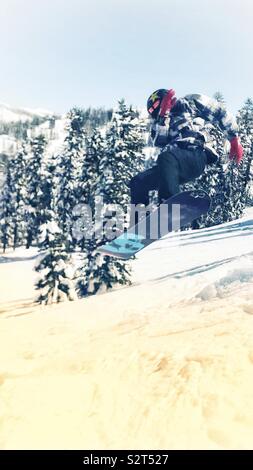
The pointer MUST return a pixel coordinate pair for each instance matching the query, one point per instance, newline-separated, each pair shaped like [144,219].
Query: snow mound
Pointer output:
[232,281]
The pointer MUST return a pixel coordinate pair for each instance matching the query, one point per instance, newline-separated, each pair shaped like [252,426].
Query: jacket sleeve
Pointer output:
[215,112]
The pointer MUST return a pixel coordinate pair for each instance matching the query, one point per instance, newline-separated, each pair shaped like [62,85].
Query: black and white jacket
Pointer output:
[189,124]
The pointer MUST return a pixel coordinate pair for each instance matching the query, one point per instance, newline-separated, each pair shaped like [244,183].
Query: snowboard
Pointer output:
[178,211]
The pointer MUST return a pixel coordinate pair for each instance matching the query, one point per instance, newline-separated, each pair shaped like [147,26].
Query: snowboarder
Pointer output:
[181,127]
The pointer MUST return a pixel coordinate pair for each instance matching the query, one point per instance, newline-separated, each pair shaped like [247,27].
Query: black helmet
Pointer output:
[154,102]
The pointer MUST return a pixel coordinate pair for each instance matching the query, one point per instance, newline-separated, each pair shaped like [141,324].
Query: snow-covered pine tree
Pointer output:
[55,283]
[240,177]
[20,197]
[54,263]
[6,209]
[122,159]
[95,147]
[71,161]
[34,177]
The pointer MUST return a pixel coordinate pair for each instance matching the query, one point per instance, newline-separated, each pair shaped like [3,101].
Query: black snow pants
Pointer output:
[174,166]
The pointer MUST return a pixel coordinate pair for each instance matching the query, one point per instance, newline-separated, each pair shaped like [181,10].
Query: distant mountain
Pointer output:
[18,123]
[11,114]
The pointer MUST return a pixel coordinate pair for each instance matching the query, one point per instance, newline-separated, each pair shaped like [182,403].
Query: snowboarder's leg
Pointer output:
[191,163]
[168,175]
[178,166]
[141,184]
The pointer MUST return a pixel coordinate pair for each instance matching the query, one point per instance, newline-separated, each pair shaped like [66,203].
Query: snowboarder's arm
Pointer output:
[215,112]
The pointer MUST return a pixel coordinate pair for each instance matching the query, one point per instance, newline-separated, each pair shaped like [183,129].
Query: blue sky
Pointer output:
[60,53]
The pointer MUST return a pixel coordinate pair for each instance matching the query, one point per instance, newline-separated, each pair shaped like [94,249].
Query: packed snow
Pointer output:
[165,363]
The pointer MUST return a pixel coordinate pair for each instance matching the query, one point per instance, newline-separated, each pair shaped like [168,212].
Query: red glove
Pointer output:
[236,150]
[167,103]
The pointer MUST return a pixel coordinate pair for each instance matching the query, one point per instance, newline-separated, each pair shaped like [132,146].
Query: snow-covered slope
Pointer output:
[11,114]
[52,129]
[166,363]
[190,263]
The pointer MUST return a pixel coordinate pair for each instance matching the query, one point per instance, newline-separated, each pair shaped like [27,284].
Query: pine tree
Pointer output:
[122,159]
[71,161]
[95,148]
[19,197]
[14,201]
[34,177]
[55,283]
[241,176]
[6,209]
[54,264]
